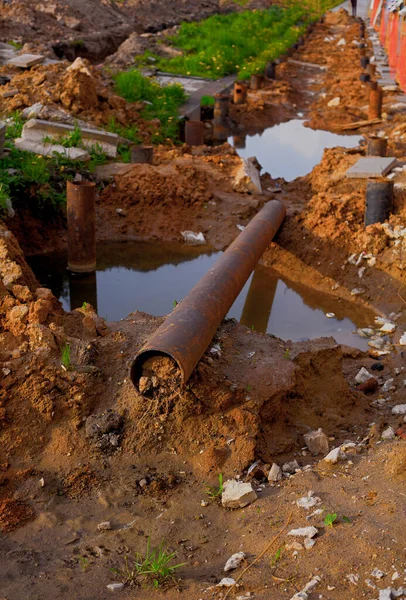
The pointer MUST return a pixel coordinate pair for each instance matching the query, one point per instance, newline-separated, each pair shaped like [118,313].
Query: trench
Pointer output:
[150,278]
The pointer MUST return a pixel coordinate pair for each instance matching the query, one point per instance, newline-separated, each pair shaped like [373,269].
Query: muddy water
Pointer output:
[148,277]
[290,150]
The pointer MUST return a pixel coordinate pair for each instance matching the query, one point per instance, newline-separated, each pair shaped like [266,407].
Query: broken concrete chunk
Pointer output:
[309,543]
[226,582]
[316,441]
[290,467]
[193,238]
[247,179]
[26,61]
[399,409]
[371,166]
[237,494]
[334,102]
[308,532]
[275,474]
[51,149]
[115,587]
[377,573]
[309,501]
[362,376]
[308,588]
[234,561]
[334,456]
[388,434]
[402,340]
[388,327]
[104,526]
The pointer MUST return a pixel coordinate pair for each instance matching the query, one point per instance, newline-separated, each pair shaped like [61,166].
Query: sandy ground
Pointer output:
[80,446]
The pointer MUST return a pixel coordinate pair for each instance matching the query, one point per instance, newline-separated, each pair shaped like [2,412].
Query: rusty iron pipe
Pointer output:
[189,329]
[375,103]
[81,214]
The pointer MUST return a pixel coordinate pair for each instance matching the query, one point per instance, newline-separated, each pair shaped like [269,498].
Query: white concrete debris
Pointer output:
[402,340]
[316,441]
[352,578]
[334,102]
[308,588]
[309,543]
[115,587]
[237,494]
[388,434]
[377,573]
[399,409]
[226,582]
[309,501]
[334,456]
[105,526]
[275,474]
[362,376]
[247,178]
[341,42]
[388,385]
[290,467]
[388,327]
[234,561]
[308,532]
[193,238]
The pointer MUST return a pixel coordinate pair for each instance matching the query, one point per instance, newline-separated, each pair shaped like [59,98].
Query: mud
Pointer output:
[79,445]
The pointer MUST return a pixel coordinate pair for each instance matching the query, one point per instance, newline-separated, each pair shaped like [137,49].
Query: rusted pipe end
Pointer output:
[155,373]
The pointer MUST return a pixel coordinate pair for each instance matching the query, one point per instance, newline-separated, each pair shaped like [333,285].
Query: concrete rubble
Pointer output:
[237,494]
[247,178]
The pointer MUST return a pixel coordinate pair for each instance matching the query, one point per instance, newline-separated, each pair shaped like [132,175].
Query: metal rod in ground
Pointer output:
[375,103]
[81,213]
[189,329]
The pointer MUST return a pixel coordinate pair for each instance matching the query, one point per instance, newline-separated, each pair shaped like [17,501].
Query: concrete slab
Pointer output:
[36,130]
[400,98]
[189,84]
[106,172]
[6,55]
[26,61]
[371,166]
[50,149]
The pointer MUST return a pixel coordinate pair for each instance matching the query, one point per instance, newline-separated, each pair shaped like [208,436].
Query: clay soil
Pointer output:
[79,445]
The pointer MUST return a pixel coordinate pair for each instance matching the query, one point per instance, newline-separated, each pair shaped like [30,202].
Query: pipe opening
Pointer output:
[156,374]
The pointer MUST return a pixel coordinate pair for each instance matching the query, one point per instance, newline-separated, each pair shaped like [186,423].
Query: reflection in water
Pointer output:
[290,150]
[149,277]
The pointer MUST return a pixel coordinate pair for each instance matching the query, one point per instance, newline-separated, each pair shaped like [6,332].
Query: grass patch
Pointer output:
[240,42]
[160,102]
[154,567]
[207,101]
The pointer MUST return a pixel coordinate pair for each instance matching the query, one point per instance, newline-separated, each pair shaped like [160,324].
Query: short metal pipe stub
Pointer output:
[81,217]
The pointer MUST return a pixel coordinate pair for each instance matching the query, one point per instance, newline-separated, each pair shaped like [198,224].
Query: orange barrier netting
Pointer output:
[401,70]
[383,26]
[374,11]
[393,41]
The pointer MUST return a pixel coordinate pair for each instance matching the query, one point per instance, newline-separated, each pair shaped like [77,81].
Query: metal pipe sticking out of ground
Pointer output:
[184,336]
[81,214]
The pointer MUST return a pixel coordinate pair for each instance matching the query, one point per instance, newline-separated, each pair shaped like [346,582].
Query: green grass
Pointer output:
[153,567]
[207,101]
[65,356]
[239,42]
[216,492]
[161,102]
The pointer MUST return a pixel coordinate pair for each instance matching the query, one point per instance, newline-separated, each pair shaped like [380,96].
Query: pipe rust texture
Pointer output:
[189,329]
[375,103]
[81,213]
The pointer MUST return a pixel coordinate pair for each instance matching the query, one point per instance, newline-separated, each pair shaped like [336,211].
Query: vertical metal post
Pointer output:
[81,213]
[375,103]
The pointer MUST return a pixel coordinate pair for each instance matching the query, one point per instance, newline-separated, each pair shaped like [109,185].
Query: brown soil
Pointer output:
[79,446]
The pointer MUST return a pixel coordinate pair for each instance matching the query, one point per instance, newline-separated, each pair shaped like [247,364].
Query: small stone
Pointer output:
[342,42]
[334,456]
[275,474]
[115,587]
[204,503]
[104,526]
[388,327]
[309,543]
[308,532]
[377,573]
[388,385]
[226,582]
[234,561]
[362,376]
[143,483]
[357,291]
[386,594]
[290,467]
[308,502]
[402,340]
[377,367]
[294,546]
[237,494]
[308,588]
[352,578]
[334,102]
[399,409]
[42,482]
[388,434]
[317,442]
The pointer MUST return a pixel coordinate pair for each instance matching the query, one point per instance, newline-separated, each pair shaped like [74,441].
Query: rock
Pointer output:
[342,42]
[388,385]
[79,65]
[41,337]
[334,102]
[334,456]
[193,238]
[386,594]
[237,494]
[317,442]
[115,587]
[353,578]
[377,367]
[247,178]
[17,319]
[399,409]
[388,327]
[294,546]
[362,376]
[104,526]
[308,502]
[308,532]
[234,561]
[50,149]
[308,588]
[32,112]
[388,434]
[290,467]
[21,292]
[369,386]
[402,340]
[275,474]
[226,582]
[377,573]
[309,543]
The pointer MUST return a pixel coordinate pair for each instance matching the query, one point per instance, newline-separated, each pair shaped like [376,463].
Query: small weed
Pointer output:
[215,492]
[74,139]
[286,354]
[65,357]
[346,519]
[15,44]
[154,567]
[84,305]
[330,519]
[252,327]
[248,388]
[276,557]
[84,563]
[175,303]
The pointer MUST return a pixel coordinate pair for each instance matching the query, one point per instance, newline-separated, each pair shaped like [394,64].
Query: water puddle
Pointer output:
[149,277]
[290,150]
